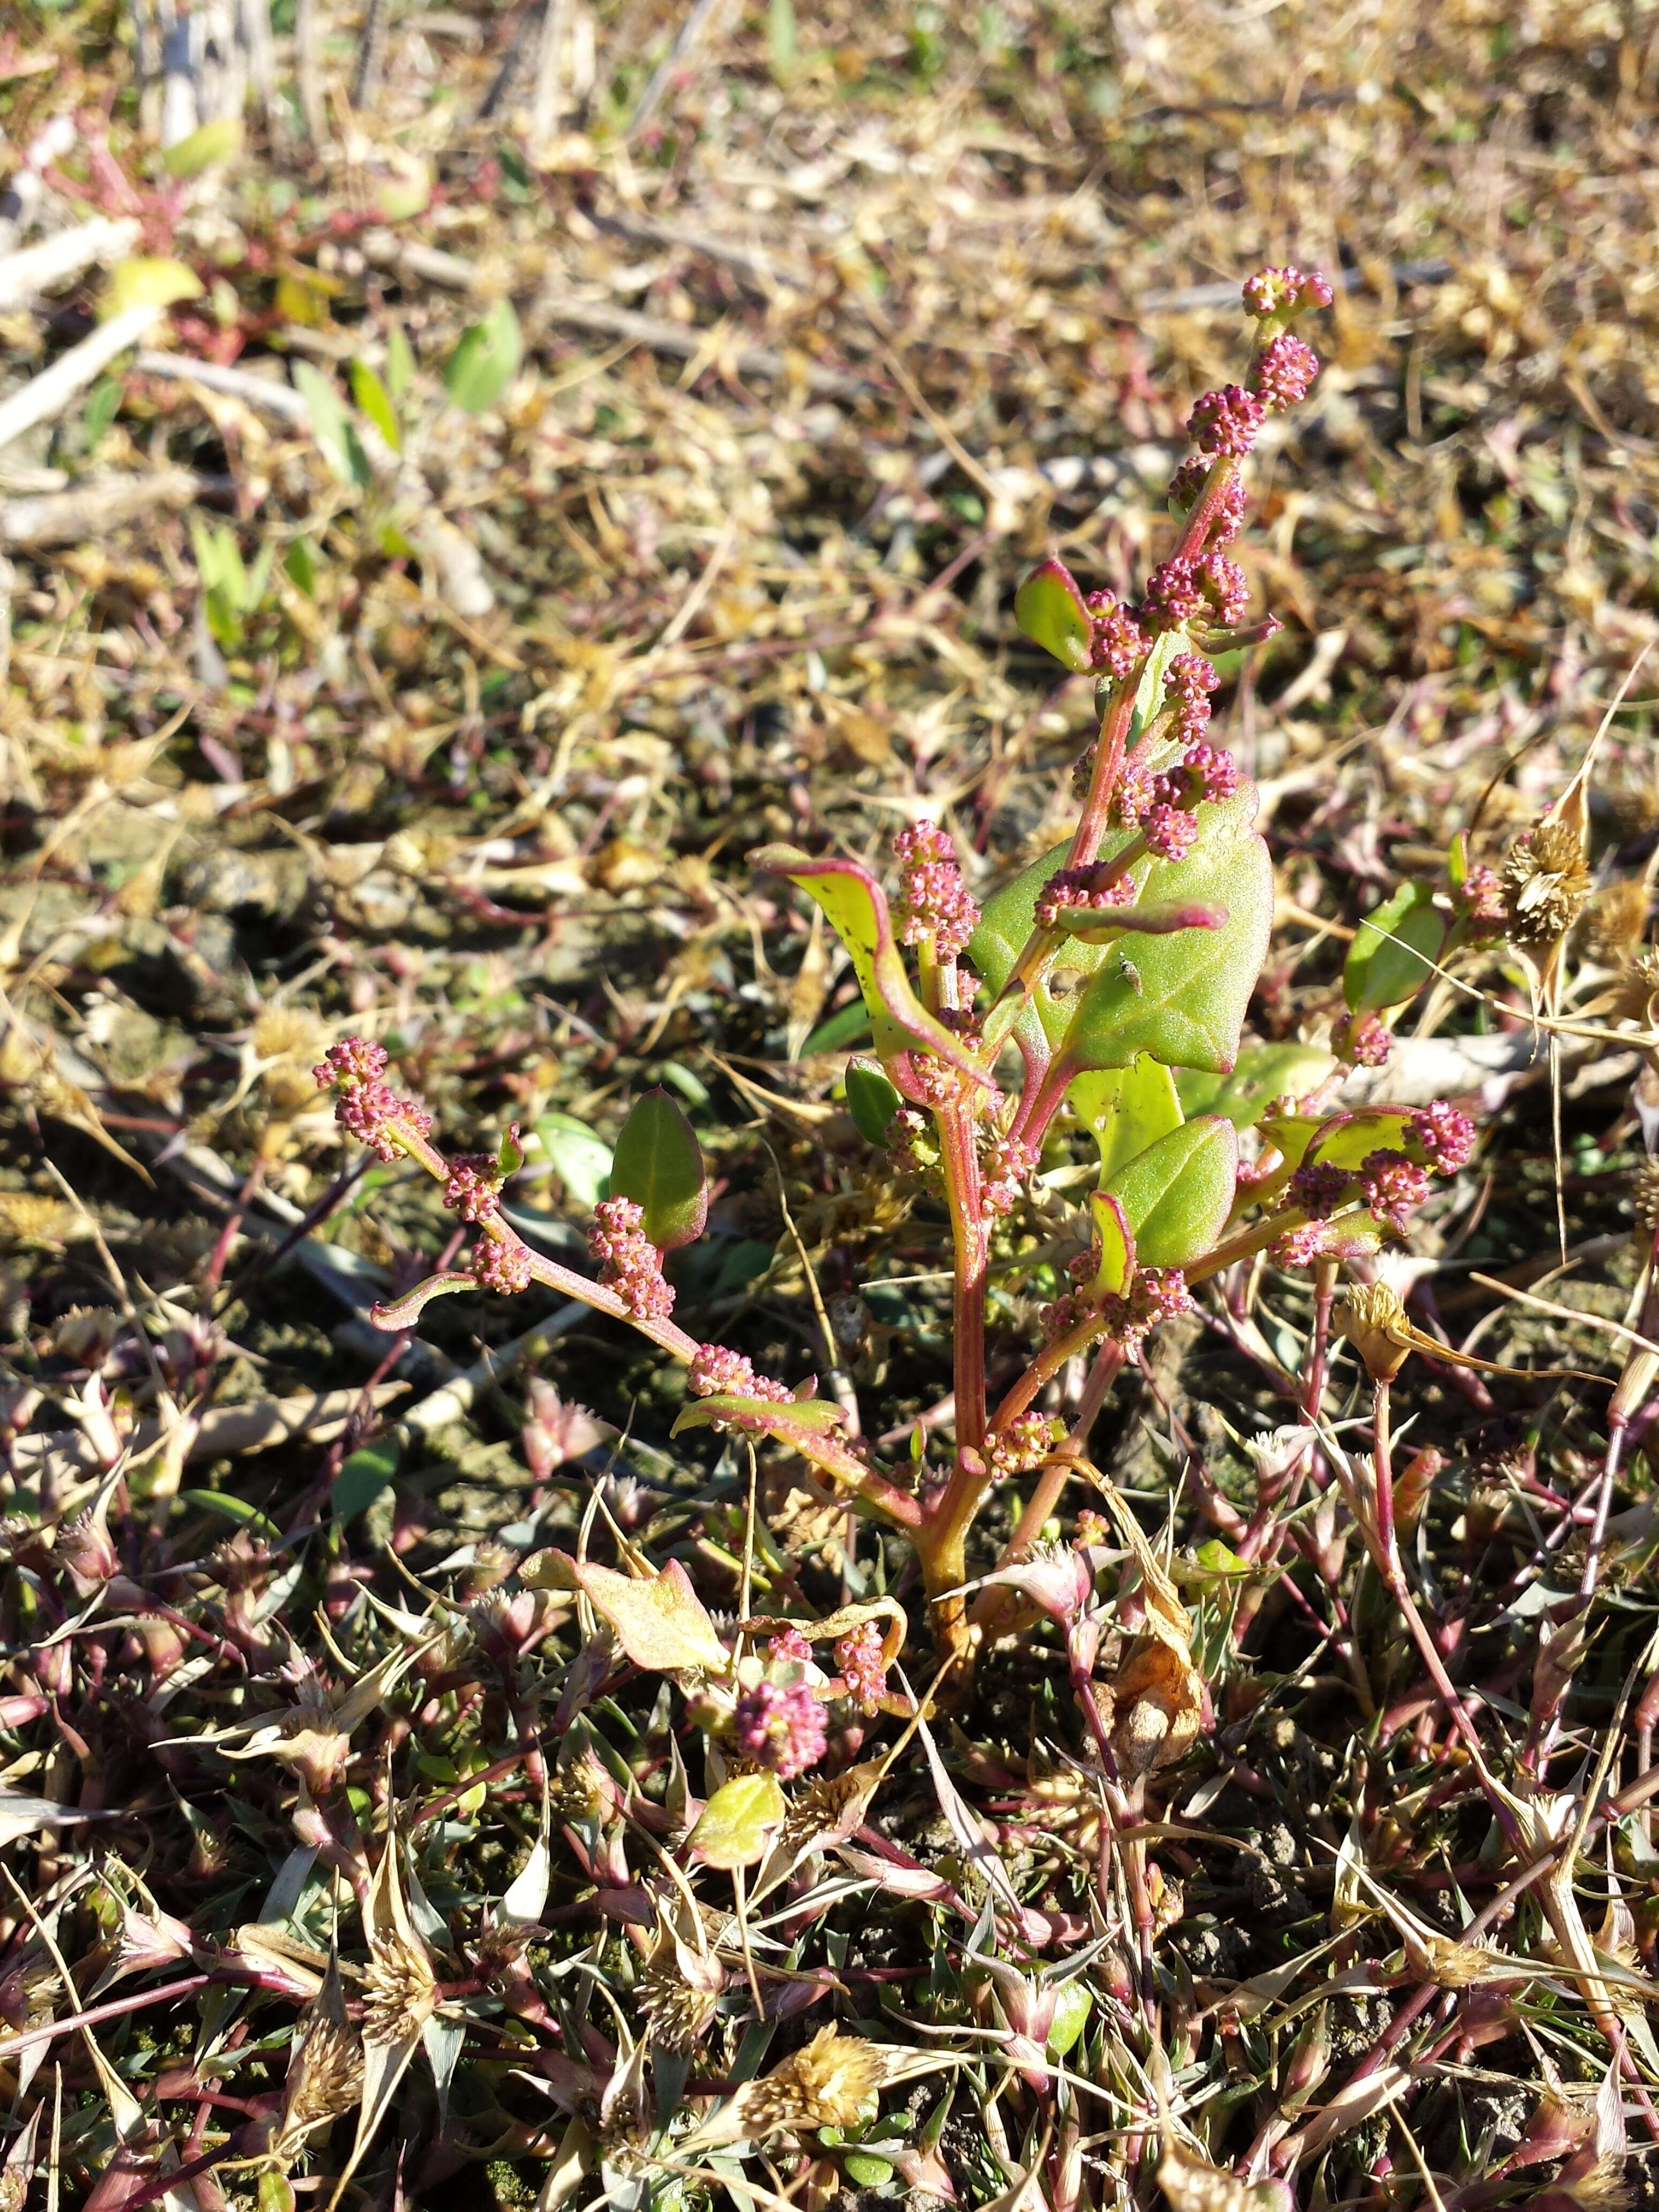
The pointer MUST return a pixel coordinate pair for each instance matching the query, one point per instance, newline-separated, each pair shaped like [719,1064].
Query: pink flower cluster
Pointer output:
[783,1729]
[1173,595]
[1119,644]
[1364,1039]
[788,1648]
[1319,1189]
[1003,1172]
[718,1372]
[1302,1246]
[1228,519]
[472,1188]
[1393,1187]
[630,1263]
[932,901]
[1022,1447]
[1443,1136]
[863,1669]
[367,1107]
[1157,1294]
[1080,887]
[500,1267]
[1286,291]
[1481,901]
[1283,372]
[1170,831]
[1224,423]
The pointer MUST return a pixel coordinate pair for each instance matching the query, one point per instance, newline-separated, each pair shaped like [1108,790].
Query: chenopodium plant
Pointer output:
[1116,971]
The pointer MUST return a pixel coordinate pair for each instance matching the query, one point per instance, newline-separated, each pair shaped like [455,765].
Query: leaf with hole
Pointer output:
[1176,1195]
[1261,1074]
[658,1163]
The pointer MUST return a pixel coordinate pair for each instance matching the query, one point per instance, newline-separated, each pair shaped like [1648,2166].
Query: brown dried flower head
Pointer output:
[1546,884]
[1637,989]
[828,2083]
[1614,920]
[400,1991]
[1373,1321]
[324,2067]
[1644,1194]
[679,1992]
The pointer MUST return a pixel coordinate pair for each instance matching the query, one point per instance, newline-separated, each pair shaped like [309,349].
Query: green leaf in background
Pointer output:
[737,1823]
[147,280]
[1261,1074]
[330,426]
[872,1100]
[781,43]
[486,359]
[399,362]
[580,1158]
[364,1477]
[1389,960]
[658,1163]
[375,401]
[221,141]
[1049,610]
[234,1509]
[1178,1195]
[844,1027]
[300,567]
[1126,1107]
[1072,2004]
[103,405]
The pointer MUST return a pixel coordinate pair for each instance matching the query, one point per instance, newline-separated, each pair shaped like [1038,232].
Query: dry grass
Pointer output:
[873,305]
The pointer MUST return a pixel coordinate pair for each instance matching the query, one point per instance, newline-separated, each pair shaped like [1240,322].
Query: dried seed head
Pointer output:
[1637,989]
[1450,1964]
[1644,1194]
[325,2067]
[1546,884]
[679,1992]
[1373,1321]
[1614,920]
[400,1992]
[827,2084]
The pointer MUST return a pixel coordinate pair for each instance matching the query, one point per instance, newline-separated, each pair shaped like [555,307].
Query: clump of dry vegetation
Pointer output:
[467,479]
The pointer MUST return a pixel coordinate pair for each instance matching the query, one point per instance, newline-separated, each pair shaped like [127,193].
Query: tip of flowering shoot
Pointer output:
[368,1107]
[1283,293]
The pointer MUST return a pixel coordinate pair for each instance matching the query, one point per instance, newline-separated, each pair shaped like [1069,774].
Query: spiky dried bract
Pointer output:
[400,1990]
[1546,884]
[679,1994]
[1373,1320]
[1614,920]
[829,2083]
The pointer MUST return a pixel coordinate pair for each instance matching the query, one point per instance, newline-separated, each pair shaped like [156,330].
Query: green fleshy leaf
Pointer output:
[1345,1140]
[787,1419]
[1389,960]
[1261,1074]
[1072,2005]
[872,1100]
[1117,1244]
[1049,609]
[1128,1108]
[1182,997]
[658,1163]
[738,1822]
[1176,1195]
